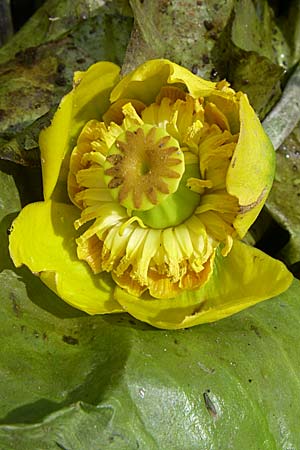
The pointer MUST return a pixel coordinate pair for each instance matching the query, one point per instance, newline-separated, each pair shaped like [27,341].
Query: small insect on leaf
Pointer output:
[210,406]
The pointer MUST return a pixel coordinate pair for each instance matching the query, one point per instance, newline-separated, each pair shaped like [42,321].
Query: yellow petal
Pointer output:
[145,82]
[245,277]
[115,113]
[251,172]
[43,238]
[89,99]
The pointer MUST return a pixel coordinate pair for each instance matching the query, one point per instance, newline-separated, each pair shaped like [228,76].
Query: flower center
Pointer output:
[154,185]
[143,167]
[175,209]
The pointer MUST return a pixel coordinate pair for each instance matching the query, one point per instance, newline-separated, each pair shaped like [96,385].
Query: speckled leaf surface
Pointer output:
[72,381]
[185,32]
[42,62]
[55,18]
[241,41]
[283,202]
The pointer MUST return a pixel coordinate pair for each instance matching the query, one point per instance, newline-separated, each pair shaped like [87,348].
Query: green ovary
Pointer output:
[177,207]
[145,172]
[143,167]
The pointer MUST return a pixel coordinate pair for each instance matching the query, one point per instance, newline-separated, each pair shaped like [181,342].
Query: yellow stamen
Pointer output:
[131,117]
[130,221]
[197,185]
[218,201]
[171,92]
[152,182]
[94,157]
[133,250]
[214,115]
[93,195]
[116,114]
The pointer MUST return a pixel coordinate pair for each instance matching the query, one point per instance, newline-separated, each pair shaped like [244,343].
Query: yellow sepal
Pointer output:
[252,168]
[89,99]
[43,238]
[145,82]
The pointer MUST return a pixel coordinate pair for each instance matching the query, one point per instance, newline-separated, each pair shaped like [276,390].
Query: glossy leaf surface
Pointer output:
[69,380]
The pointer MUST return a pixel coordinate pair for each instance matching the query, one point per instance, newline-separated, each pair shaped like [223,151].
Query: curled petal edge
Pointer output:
[254,154]
[145,82]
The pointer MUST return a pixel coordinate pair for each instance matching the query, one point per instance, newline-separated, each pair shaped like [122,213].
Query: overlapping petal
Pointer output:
[130,263]
[89,99]
[145,82]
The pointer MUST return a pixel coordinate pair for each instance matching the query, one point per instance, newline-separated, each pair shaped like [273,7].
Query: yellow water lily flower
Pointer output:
[150,183]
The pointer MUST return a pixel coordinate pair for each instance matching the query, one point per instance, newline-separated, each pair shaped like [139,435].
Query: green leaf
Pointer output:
[56,18]
[73,381]
[257,76]
[252,28]
[241,41]
[283,202]
[36,78]
[185,32]
[289,23]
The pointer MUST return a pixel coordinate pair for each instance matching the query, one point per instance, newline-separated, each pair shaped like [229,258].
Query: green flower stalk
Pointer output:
[150,183]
